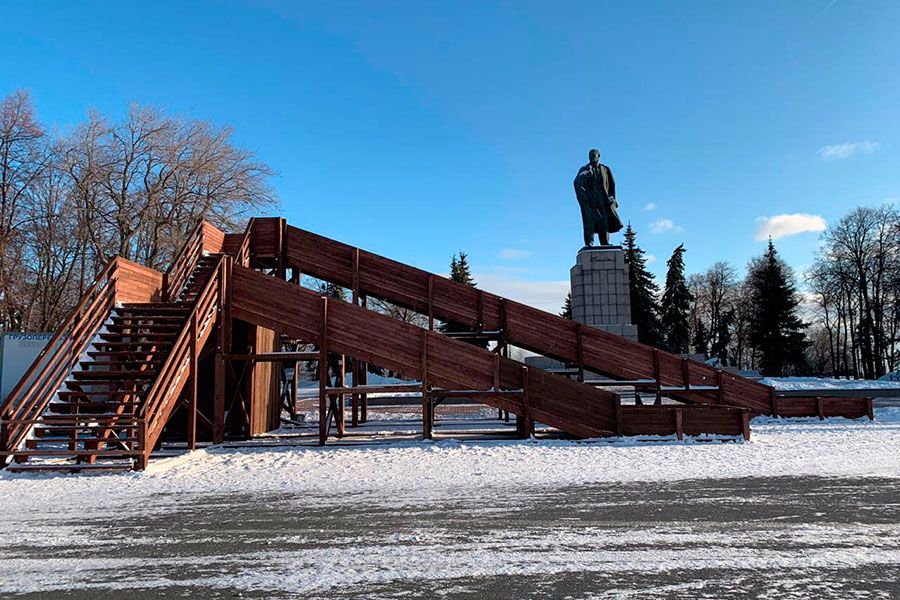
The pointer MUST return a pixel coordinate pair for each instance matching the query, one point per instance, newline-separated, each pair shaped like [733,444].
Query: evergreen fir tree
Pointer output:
[776,331]
[701,339]
[460,273]
[567,307]
[644,291]
[676,304]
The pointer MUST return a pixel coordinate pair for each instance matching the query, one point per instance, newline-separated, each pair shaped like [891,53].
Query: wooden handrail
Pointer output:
[160,398]
[242,257]
[48,371]
[183,264]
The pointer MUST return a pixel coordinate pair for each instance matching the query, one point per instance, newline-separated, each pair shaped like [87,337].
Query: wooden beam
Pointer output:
[430,302]
[656,376]
[192,385]
[323,374]
[427,420]
[679,423]
[339,420]
[273,357]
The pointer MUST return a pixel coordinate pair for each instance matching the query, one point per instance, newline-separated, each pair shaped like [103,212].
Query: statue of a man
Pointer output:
[595,189]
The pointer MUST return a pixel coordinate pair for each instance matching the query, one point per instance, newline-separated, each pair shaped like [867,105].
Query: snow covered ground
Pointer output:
[805,509]
[824,383]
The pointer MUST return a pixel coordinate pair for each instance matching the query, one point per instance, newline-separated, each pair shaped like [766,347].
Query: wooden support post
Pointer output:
[686,373]
[219,400]
[427,407]
[679,423]
[364,379]
[525,423]
[870,409]
[578,352]
[620,425]
[745,424]
[339,418]
[430,302]
[656,376]
[354,398]
[773,401]
[496,384]
[192,385]
[504,336]
[480,325]
[221,349]
[323,373]
[295,390]
[280,242]
[355,276]
[720,383]
[820,405]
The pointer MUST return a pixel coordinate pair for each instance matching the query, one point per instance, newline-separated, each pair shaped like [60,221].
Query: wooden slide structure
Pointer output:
[186,356]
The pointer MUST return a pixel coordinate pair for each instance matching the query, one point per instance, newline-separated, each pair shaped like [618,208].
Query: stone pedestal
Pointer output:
[600,296]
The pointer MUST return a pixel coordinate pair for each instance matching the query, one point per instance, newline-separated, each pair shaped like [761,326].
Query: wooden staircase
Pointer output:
[97,415]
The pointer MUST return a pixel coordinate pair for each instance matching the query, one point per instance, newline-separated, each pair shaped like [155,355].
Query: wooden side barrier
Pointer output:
[685,420]
[121,281]
[548,334]
[180,367]
[379,339]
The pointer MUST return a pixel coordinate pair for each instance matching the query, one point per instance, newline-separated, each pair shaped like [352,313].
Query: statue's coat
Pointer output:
[595,189]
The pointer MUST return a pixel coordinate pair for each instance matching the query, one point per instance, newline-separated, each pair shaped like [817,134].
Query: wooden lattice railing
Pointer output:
[121,280]
[204,238]
[180,366]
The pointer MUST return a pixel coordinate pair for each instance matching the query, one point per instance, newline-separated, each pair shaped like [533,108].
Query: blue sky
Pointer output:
[416,129]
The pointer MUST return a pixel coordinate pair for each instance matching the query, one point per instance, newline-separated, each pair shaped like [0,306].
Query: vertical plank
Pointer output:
[578,355]
[656,376]
[773,401]
[355,277]
[686,374]
[323,373]
[430,302]
[820,406]
[679,423]
[745,423]
[720,383]
[192,383]
[363,380]
[527,421]
[339,420]
[427,419]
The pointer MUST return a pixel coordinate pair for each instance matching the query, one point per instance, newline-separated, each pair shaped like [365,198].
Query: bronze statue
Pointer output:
[595,189]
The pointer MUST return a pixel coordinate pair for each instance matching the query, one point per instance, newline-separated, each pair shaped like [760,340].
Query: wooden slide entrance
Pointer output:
[187,355]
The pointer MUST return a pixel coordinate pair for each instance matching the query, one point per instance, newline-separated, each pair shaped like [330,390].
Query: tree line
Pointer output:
[133,187]
[847,323]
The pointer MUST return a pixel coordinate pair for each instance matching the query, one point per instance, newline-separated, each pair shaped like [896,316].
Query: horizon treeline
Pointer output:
[846,323]
[134,187]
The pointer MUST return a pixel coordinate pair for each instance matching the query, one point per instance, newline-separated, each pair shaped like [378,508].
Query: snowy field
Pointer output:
[804,510]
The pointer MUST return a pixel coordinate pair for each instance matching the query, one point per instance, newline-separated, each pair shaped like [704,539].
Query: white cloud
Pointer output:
[650,206]
[784,225]
[650,258]
[513,254]
[846,150]
[664,225]
[545,295]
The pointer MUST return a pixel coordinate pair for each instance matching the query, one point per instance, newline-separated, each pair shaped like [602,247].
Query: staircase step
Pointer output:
[156,362]
[113,336]
[68,408]
[75,453]
[71,467]
[78,395]
[135,346]
[41,443]
[142,328]
[100,376]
